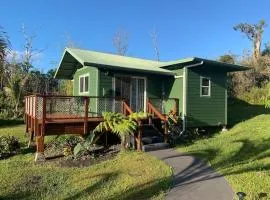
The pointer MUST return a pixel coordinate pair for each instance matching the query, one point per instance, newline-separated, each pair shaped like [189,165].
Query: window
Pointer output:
[84,84]
[205,86]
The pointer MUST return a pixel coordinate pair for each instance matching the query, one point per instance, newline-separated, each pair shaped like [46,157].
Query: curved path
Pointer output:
[193,179]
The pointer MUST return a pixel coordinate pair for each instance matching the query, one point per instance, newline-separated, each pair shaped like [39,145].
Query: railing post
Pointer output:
[86,106]
[177,107]
[26,114]
[123,107]
[166,130]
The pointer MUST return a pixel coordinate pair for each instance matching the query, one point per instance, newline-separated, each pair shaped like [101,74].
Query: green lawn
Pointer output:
[242,154]
[131,175]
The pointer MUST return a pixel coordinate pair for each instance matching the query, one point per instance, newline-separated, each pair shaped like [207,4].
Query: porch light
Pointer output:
[241,195]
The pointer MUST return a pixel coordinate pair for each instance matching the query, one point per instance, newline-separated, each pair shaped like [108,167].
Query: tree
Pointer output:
[154,37]
[254,33]
[18,71]
[266,50]
[4,47]
[227,58]
[4,44]
[120,42]
[16,80]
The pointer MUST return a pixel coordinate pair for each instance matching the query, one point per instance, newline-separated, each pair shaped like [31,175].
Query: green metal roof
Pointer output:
[76,58]
[195,60]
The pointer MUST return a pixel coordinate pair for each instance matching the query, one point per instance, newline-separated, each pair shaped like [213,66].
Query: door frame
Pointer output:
[136,77]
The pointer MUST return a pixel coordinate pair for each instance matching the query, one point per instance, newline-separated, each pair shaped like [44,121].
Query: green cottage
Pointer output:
[198,85]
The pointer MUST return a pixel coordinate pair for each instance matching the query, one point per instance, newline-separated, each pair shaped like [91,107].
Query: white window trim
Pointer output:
[83,76]
[136,77]
[201,86]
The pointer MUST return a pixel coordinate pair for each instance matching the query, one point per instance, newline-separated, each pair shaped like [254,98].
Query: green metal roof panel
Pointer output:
[89,58]
[75,58]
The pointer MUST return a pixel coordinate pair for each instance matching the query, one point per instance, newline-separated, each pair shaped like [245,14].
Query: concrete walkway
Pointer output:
[193,179]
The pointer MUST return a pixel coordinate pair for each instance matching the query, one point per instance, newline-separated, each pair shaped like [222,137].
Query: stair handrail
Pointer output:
[152,110]
[126,109]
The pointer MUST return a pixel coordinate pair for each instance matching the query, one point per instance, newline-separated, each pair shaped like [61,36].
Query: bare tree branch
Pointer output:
[154,37]
[120,42]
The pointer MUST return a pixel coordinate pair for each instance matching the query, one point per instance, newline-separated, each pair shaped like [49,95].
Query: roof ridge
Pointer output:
[116,55]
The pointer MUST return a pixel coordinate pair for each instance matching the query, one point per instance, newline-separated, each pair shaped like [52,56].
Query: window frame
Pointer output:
[201,86]
[84,76]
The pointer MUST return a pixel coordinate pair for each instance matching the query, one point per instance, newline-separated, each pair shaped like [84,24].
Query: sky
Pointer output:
[186,28]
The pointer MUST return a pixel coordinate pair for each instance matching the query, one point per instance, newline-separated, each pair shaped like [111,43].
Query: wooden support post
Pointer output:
[31,141]
[166,131]
[86,106]
[139,136]
[43,128]
[177,107]
[40,157]
[150,120]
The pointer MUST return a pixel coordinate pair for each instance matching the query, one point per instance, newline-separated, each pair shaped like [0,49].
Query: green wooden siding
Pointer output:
[154,86]
[93,85]
[206,111]
[174,88]
[105,84]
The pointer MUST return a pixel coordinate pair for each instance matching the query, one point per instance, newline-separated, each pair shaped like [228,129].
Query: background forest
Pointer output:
[19,76]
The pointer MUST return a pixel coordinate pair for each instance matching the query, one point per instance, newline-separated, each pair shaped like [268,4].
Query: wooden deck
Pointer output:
[61,115]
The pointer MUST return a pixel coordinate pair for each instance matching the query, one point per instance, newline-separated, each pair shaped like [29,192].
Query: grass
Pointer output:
[131,175]
[242,154]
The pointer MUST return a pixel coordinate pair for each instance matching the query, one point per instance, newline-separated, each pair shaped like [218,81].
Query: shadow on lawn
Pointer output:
[143,191]
[246,154]
[239,110]
[10,122]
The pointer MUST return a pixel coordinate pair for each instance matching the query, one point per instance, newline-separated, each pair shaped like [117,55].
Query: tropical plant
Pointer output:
[136,116]
[118,124]
[84,147]
[9,145]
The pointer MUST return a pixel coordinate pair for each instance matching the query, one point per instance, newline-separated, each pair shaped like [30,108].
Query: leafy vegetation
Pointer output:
[242,154]
[120,178]
[120,125]
[9,145]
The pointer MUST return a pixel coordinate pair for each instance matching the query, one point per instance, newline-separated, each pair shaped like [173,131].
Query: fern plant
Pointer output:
[136,116]
[118,124]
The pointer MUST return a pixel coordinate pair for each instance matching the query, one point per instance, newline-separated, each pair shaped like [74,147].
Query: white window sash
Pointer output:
[83,76]
[203,86]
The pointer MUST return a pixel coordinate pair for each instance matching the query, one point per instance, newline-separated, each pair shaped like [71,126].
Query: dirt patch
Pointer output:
[87,160]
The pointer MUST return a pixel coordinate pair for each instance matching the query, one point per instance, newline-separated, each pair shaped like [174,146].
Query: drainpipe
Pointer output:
[185,84]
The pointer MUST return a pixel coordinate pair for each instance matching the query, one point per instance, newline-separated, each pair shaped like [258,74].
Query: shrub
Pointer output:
[9,145]
[69,141]
[257,95]
[84,147]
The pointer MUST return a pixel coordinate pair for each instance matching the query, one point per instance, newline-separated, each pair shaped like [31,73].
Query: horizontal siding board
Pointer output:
[205,111]
[92,85]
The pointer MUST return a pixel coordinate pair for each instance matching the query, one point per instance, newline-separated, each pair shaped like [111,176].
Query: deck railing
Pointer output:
[161,108]
[72,107]
[165,106]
